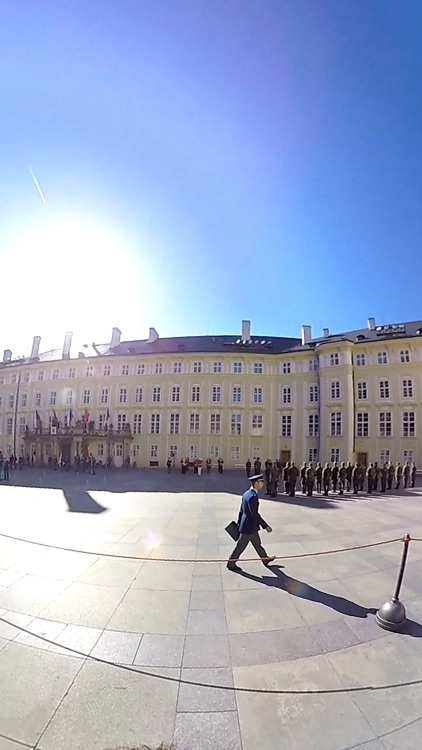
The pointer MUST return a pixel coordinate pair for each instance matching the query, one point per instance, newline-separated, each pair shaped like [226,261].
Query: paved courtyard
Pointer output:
[180,631]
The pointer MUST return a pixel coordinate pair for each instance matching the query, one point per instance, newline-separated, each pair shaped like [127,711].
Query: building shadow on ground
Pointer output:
[80,501]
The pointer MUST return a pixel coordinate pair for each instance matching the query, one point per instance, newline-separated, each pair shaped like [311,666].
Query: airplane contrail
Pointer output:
[37,185]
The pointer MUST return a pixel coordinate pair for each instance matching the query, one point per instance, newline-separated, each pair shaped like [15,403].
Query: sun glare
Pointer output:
[73,276]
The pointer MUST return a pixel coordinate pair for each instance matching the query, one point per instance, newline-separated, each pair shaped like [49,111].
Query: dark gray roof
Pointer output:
[361,335]
[204,344]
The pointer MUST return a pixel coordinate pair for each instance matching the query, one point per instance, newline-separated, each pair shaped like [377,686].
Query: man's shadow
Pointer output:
[80,501]
[304,591]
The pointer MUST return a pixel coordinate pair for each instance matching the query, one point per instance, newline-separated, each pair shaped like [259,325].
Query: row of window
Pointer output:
[68,398]
[195,367]
[176,368]
[385,424]
[216,394]
[382,358]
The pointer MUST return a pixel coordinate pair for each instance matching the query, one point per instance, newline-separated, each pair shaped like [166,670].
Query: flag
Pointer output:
[69,417]
[85,417]
[107,419]
[55,420]
[35,420]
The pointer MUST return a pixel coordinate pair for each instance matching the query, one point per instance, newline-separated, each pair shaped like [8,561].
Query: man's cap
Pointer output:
[256,478]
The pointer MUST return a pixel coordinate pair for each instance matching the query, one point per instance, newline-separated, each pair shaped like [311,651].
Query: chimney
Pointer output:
[306,335]
[371,324]
[326,332]
[7,356]
[67,344]
[246,330]
[35,346]
[115,337]
[81,355]
[153,336]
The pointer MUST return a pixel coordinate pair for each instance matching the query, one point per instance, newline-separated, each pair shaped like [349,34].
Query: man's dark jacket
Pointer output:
[249,519]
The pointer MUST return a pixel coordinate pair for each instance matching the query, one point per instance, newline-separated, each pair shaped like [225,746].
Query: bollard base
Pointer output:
[391,616]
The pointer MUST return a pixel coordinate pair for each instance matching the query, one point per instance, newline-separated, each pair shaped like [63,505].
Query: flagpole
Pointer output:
[16,413]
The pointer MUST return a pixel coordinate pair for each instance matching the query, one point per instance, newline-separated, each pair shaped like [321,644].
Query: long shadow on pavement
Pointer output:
[304,591]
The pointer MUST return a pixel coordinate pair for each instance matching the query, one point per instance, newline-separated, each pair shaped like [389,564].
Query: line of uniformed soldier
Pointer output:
[348,477]
[343,477]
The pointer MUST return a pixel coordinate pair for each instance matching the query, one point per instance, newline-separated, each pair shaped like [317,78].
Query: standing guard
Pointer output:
[318,476]
[356,478]
[310,479]
[326,478]
[334,476]
[398,474]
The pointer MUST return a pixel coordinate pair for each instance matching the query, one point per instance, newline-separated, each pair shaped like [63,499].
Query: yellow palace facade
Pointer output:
[338,397]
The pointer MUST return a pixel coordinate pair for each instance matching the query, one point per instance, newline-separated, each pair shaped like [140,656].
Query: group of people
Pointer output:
[197,465]
[343,477]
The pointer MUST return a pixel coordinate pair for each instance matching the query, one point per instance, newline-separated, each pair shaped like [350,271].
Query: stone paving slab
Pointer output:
[299,624]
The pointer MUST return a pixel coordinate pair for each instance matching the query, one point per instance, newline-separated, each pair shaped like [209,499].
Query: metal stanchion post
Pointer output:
[392,614]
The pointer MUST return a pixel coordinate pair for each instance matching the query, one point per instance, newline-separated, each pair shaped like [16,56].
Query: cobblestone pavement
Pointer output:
[181,631]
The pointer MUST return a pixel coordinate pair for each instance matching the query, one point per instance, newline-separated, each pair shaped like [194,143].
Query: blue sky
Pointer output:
[205,161]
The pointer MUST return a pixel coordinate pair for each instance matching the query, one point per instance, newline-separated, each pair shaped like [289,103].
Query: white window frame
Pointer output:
[382,357]
[194,423]
[362,390]
[235,453]
[257,422]
[104,393]
[313,425]
[177,368]
[286,368]
[122,395]
[216,394]
[217,367]
[175,394]
[286,425]
[335,390]
[361,360]
[237,394]
[384,456]
[384,389]
[335,455]
[312,455]
[405,356]
[407,388]
[336,423]
[215,423]
[137,424]
[174,423]
[257,394]
[334,359]
[258,368]
[155,423]
[139,394]
[385,424]
[195,394]
[156,394]
[235,424]
[362,424]
[237,368]
[313,393]
[286,394]
[409,424]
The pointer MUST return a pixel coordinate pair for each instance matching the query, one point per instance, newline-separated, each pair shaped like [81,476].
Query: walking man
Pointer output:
[249,524]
